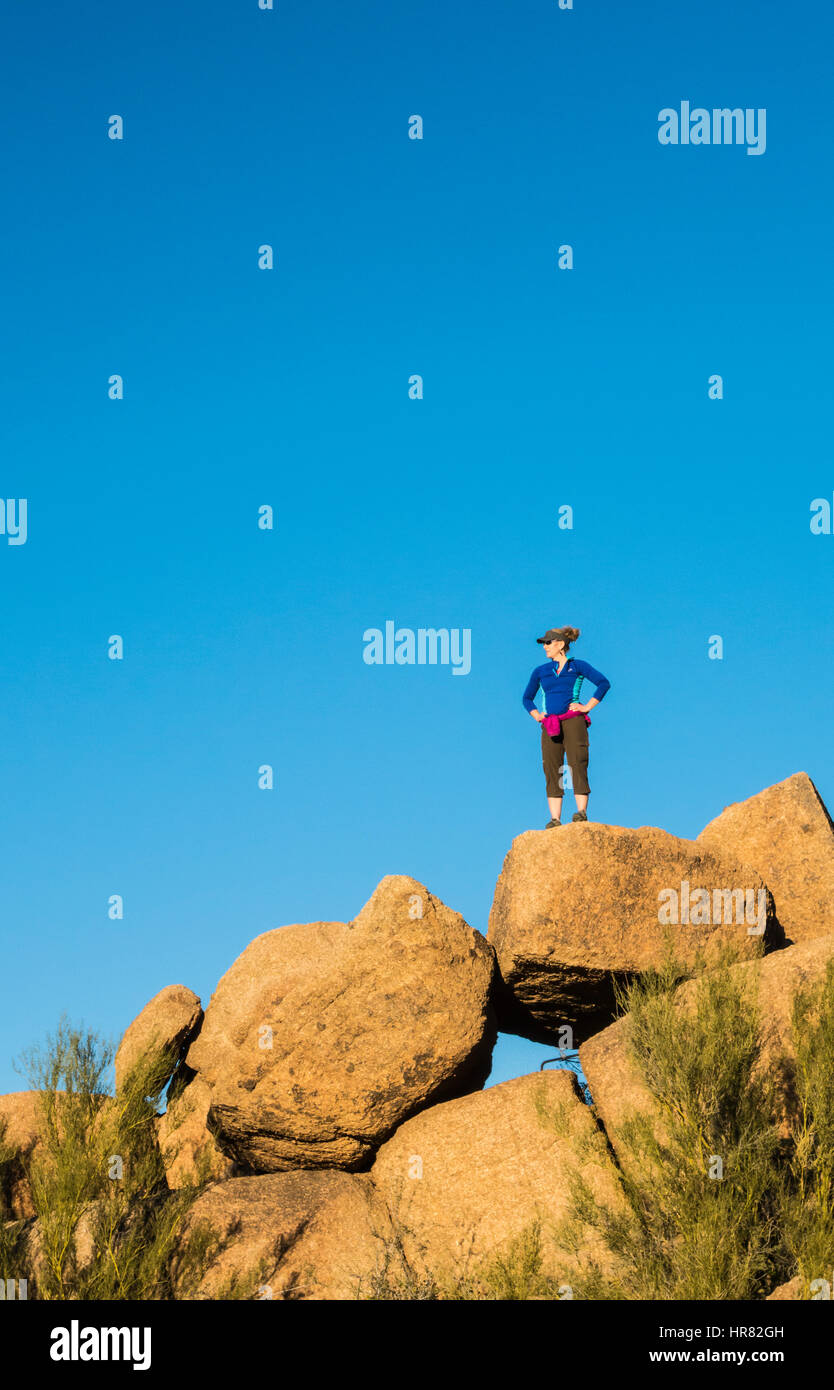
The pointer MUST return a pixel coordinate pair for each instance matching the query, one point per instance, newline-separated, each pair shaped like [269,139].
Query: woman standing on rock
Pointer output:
[564,720]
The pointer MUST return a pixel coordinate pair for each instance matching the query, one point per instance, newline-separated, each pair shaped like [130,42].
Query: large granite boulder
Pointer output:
[467,1177]
[322,1038]
[169,1022]
[785,832]
[616,1085]
[580,908]
[295,1235]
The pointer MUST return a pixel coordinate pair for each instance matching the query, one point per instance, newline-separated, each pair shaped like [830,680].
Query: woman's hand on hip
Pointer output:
[537,715]
[580,709]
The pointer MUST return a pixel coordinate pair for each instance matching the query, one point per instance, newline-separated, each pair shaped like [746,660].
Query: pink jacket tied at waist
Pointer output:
[552,723]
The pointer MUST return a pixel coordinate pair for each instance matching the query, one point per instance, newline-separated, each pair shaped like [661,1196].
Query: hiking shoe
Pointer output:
[580,815]
[551,824]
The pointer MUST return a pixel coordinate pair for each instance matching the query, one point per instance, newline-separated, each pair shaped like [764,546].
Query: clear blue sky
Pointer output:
[290,387]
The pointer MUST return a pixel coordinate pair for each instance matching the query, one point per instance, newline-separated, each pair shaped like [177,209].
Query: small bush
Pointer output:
[808,1214]
[724,1197]
[107,1225]
[514,1272]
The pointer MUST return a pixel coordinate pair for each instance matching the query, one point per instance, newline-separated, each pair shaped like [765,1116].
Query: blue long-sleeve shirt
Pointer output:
[560,690]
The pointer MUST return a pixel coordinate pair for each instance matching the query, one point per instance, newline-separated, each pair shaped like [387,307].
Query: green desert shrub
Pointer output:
[107,1225]
[722,1199]
[808,1214]
[514,1273]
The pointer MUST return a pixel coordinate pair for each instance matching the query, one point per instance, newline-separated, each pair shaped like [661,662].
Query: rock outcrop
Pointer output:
[578,909]
[322,1038]
[294,1235]
[617,1088]
[168,1023]
[462,1179]
[785,832]
[189,1150]
[20,1131]
[332,1095]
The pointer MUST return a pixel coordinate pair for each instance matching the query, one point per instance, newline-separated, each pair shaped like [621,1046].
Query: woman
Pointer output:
[561,679]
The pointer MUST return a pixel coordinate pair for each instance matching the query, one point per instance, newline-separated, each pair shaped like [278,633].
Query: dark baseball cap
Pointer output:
[553,634]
